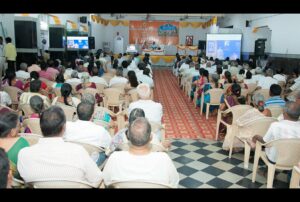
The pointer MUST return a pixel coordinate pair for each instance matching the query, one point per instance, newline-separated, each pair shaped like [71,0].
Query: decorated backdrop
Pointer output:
[163,33]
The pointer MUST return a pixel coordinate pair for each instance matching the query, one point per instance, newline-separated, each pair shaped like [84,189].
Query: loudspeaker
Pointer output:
[247,23]
[201,45]
[91,42]
[83,19]
[56,37]
[260,47]
[25,34]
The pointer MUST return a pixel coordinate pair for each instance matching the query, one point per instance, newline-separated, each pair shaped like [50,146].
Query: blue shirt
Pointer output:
[276,100]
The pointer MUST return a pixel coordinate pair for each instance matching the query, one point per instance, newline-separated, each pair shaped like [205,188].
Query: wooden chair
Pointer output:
[137,184]
[236,111]
[215,99]
[295,180]
[258,127]
[14,94]
[288,155]
[276,110]
[34,125]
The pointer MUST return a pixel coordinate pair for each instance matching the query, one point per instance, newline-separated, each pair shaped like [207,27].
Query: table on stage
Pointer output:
[153,52]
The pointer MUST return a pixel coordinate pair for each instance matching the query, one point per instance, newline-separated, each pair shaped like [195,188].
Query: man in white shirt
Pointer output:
[22,73]
[267,81]
[132,65]
[5,98]
[153,110]
[185,66]
[85,131]
[118,79]
[279,76]
[287,128]
[139,163]
[74,78]
[53,159]
[145,78]
[97,79]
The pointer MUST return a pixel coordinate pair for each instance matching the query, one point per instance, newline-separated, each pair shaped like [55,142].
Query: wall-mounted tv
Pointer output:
[77,42]
[223,45]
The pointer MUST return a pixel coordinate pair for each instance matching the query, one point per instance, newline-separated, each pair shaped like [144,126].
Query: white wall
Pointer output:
[7,21]
[284,28]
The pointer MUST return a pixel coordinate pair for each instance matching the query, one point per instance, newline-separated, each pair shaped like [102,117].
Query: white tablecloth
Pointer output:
[154,52]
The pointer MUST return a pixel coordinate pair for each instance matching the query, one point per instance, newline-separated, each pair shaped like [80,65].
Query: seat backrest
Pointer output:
[100,87]
[13,93]
[120,86]
[30,137]
[26,108]
[34,125]
[137,184]
[276,110]
[60,184]
[91,149]
[287,150]
[57,91]
[133,95]
[244,92]
[92,91]
[251,87]
[261,126]
[215,95]
[238,110]
[226,86]
[112,96]
[70,112]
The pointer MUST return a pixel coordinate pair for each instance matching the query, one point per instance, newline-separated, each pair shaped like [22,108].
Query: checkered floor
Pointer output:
[203,164]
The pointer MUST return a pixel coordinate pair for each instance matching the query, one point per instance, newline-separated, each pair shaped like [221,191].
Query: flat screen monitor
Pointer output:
[222,46]
[78,42]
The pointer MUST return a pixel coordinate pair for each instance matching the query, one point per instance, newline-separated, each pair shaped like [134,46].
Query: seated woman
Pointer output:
[204,78]
[37,106]
[194,83]
[59,81]
[10,79]
[66,97]
[233,97]
[132,81]
[121,137]
[9,141]
[87,84]
[35,76]
[214,84]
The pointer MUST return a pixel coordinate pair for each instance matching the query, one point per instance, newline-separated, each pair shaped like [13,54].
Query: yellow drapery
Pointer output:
[85,29]
[56,19]
[73,24]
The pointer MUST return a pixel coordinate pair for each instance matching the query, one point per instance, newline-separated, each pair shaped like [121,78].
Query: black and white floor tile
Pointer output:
[204,164]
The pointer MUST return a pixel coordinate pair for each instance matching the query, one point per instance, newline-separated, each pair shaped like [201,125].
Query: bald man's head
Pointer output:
[140,132]
[292,110]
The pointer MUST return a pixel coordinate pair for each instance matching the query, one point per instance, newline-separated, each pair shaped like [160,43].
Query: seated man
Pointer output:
[118,79]
[97,79]
[74,78]
[289,127]
[275,99]
[267,81]
[153,110]
[85,131]
[139,163]
[35,86]
[54,159]
[22,73]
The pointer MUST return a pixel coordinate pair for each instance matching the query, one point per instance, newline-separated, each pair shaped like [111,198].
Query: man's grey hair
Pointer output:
[23,66]
[143,91]
[88,98]
[292,109]
[258,70]
[119,72]
[74,74]
[269,72]
[139,132]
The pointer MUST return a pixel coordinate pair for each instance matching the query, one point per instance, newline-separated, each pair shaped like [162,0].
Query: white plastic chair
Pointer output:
[34,125]
[70,112]
[60,184]
[215,99]
[30,137]
[288,155]
[295,179]
[276,110]
[137,184]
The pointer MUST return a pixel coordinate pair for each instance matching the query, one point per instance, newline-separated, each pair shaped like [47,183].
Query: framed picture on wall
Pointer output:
[189,40]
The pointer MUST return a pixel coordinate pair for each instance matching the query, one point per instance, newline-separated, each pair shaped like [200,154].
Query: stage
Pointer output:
[164,60]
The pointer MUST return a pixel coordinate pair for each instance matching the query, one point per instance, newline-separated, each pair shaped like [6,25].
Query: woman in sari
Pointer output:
[9,141]
[200,84]
[10,79]
[66,97]
[37,106]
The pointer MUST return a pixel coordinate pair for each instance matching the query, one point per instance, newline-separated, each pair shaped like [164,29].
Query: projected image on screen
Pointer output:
[223,45]
[77,42]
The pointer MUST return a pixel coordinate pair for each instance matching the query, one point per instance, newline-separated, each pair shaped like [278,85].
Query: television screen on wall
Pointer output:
[223,45]
[78,42]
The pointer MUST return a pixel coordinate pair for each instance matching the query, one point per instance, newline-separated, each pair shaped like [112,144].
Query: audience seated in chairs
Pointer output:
[289,127]
[121,137]
[153,110]
[118,78]
[35,76]
[132,81]
[139,163]
[59,81]
[266,81]
[249,79]
[37,106]
[22,73]
[10,79]
[5,172]
[5,99]
[9,140]
[53,159]
[66,97]
[146,78]
[96,78]
[35,87]
[85,131]
[74,78]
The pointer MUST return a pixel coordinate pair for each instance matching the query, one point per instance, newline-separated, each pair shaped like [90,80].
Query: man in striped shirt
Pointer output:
[275,99]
